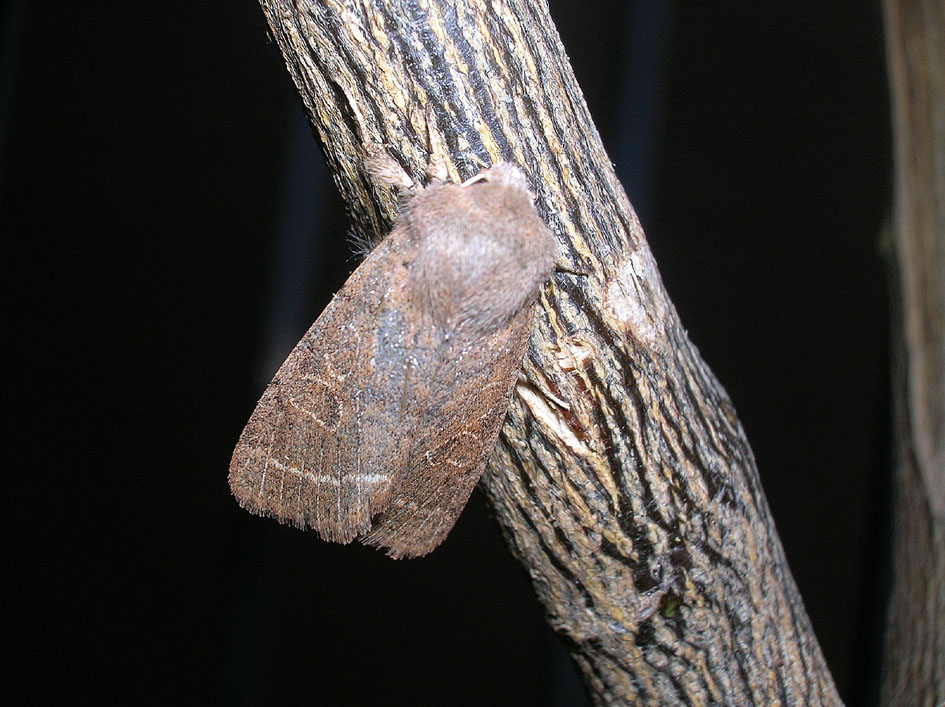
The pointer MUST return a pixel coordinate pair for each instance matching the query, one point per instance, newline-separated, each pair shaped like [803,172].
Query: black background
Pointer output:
[150,155]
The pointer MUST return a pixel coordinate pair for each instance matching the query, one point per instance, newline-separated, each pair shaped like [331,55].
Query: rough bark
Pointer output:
[623,479]
[914,655]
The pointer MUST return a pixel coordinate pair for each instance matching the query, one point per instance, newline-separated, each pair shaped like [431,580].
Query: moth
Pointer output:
[379,423]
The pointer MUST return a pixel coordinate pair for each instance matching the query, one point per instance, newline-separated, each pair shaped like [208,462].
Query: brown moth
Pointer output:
[379,423]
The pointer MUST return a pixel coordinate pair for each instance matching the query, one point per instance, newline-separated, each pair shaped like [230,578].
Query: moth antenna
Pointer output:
[482,176]
[385,168]
[436,169]
[565,268]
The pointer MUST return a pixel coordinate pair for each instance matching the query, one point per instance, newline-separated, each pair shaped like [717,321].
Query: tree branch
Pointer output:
[914,659]
[635,506]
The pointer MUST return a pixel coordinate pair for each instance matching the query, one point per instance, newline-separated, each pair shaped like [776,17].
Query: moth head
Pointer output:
[482,250]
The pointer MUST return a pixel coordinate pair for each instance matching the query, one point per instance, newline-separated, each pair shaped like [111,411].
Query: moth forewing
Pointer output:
[319,450]
[381,420]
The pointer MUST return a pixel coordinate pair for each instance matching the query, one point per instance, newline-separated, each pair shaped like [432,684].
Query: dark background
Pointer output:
[155,168]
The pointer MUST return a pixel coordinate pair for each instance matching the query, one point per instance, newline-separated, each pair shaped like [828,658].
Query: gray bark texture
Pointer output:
[622,479]
[914,654]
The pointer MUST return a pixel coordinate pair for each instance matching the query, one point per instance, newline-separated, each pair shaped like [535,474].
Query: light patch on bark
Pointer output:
[634,298]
